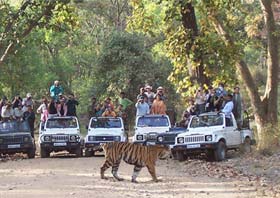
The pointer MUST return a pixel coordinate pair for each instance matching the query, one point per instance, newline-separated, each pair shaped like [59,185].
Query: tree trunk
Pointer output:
[190,24]
[265,108]
[271,92]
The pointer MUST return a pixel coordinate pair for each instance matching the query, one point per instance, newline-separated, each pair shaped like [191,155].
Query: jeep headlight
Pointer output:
[47,138]
[117,138]
[139,137]
[208,138]
[25,139]
[91,138]
[180,140]
[160,139]
[73,138]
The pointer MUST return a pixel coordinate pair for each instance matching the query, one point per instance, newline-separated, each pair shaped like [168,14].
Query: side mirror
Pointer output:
[86,127]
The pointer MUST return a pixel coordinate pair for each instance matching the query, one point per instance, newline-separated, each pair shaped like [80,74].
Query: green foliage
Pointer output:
[243,22]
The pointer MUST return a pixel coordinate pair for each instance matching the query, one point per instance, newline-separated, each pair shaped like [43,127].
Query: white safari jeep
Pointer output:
[60,134]
[149,126]
[101,130]
[208,133]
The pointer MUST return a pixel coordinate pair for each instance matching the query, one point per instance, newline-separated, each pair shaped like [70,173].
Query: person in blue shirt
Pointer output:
[55,90]
[142,107]
[227,110]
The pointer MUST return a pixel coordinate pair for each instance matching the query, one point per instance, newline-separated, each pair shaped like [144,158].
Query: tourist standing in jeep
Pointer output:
[71,105]
[55,90]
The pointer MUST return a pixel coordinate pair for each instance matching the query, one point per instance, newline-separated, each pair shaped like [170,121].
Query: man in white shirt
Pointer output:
[228,109]
[142,107]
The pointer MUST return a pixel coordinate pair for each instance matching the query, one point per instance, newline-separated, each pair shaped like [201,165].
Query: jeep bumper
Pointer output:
[194,148]
[59,146]
[16,148]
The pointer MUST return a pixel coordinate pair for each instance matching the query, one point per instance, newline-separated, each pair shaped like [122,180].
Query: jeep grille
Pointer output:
[59,138]
[15,139]
[105,138]
[195,139]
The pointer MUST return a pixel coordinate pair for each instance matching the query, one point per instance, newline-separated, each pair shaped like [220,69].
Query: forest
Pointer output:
[102,47]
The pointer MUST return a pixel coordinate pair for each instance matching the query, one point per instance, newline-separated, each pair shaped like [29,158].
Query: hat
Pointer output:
[148,87]
[28,95]
[160,88]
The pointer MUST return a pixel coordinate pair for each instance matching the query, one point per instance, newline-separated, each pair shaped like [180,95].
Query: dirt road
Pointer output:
[79,177]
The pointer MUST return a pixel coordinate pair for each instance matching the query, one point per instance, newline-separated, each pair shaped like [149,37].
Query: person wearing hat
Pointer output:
[55,90]
[150,95]
[227,110]
[142,107]
[160,92]
[7,112]
[28,101]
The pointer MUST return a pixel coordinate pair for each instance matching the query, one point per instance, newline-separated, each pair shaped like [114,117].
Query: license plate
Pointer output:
[193,146]
[14,146]
[151,143]
[60,144]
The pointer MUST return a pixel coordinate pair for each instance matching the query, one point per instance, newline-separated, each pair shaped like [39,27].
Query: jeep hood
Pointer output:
[15,134]
[105,131]
[202,131]
[143,130]
[62,131]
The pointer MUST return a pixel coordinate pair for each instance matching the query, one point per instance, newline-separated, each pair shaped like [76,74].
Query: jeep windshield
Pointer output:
[14,126]
[206,121]
[106,123]
[152,122]
[61,123]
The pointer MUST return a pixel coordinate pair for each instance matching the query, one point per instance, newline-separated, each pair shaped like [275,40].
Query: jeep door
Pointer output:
[232,133]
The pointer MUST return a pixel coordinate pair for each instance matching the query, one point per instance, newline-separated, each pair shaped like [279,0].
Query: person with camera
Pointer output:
[227,110]
[17,101]
[160,92]
[142,107]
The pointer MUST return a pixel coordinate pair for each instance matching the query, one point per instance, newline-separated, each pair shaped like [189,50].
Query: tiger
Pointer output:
[134,154]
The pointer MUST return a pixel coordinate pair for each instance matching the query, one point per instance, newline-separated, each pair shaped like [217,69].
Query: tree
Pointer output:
[17,23]
[227,28]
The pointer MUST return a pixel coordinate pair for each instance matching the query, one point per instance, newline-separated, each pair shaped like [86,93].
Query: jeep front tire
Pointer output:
[89,153]
[44,153]
[220,151]
[31,153]
[180,156]
[78,152]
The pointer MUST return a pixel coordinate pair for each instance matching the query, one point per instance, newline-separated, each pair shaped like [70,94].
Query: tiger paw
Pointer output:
[120,179]
[157,180]
[134,181]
